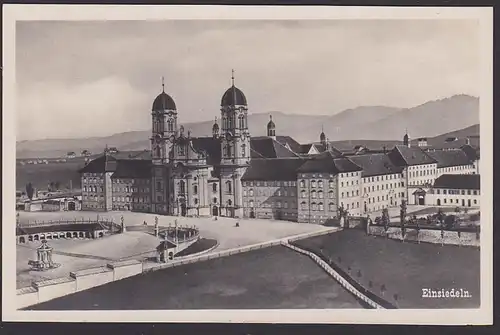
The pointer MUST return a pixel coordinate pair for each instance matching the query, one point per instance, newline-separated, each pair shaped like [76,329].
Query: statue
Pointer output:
[122,219]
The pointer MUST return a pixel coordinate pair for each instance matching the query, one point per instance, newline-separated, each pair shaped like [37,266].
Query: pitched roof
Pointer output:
[273,169]
[133,169]
[446,158]
[267,147]
[294,145]
[471,152]
[328,163]
[376,164]
[209,145]
[458,181]
[402,155]
[96,165]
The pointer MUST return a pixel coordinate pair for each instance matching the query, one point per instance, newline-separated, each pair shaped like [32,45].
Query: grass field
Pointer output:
[273,277]
[40,175]
[404,268]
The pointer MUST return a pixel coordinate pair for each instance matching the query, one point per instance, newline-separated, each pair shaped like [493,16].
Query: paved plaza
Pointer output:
[80,254]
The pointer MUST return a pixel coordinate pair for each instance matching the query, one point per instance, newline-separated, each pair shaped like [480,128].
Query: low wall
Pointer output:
[335,275]
[46,290]
[428,236]
[54,288]
[93,277]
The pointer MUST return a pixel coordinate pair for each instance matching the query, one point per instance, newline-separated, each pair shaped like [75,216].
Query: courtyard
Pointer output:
[79,254]
[269,278]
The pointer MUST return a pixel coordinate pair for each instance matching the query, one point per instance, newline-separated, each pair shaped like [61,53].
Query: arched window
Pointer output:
[313,194]
[303,194]
[278,204]
[85,189]
[240,122]
[250,203]
[303,205]
[195,189]
[320,205]
[243,150]
[320,184]
[158,152]
[314,206]
[229,188]
[313,183]
[331,195]
[331,184]
[320,194]
[285,204]
[214,200]
[214,187]
[196,201]
[228,150]
[302,183]
[182,187]
[170,125]
[224,123]
[250,192]
[331,207]
[181,150]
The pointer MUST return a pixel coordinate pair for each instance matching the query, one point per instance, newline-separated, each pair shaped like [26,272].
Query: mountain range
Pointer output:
[364,123]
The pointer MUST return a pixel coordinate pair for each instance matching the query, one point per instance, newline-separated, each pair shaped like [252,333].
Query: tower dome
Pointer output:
[163,101]
[233,96]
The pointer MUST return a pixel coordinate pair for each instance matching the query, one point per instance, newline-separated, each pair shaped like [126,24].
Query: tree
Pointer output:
[30,190]
[57,185]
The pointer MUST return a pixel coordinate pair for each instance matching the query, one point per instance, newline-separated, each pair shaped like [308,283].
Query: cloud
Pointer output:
[313,67]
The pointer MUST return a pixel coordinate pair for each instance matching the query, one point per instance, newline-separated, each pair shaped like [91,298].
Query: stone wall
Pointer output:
[428,236]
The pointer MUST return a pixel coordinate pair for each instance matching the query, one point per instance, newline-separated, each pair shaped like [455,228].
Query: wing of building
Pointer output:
[234,174]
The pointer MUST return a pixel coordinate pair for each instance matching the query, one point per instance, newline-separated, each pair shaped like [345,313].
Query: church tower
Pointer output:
[406,139]
[235,149]
[164,130]
[271,128]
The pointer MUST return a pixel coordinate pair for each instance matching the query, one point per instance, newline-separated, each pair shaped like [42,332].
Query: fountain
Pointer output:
[44,260]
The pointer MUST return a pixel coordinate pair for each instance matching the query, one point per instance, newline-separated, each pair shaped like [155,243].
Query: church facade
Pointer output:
[233,174]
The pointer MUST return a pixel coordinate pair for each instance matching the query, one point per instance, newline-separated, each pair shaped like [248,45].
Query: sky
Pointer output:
[97,78]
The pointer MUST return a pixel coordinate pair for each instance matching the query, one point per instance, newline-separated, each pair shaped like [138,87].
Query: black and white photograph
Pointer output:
[249,164]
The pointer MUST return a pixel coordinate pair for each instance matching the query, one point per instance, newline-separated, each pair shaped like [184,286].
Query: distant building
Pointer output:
[456,190]
[71,154]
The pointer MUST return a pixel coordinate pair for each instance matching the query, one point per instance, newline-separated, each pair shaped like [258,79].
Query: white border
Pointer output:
[12,13]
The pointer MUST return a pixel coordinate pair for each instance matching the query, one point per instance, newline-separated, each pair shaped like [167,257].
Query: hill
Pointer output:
[362,123]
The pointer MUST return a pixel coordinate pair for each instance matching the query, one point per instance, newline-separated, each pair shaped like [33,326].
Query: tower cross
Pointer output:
[163,84]
[232,76]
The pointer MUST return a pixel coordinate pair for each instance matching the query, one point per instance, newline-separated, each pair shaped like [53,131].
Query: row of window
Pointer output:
[422,173]
[94,189]
[381,178]
[462,192]
[229,122]
[385,197]
[269,204]
[269,183]
[450,201]
[268,192]
[456,168]
[319,194]
[134,199]
[319,184]
[381,187]
[421,182]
